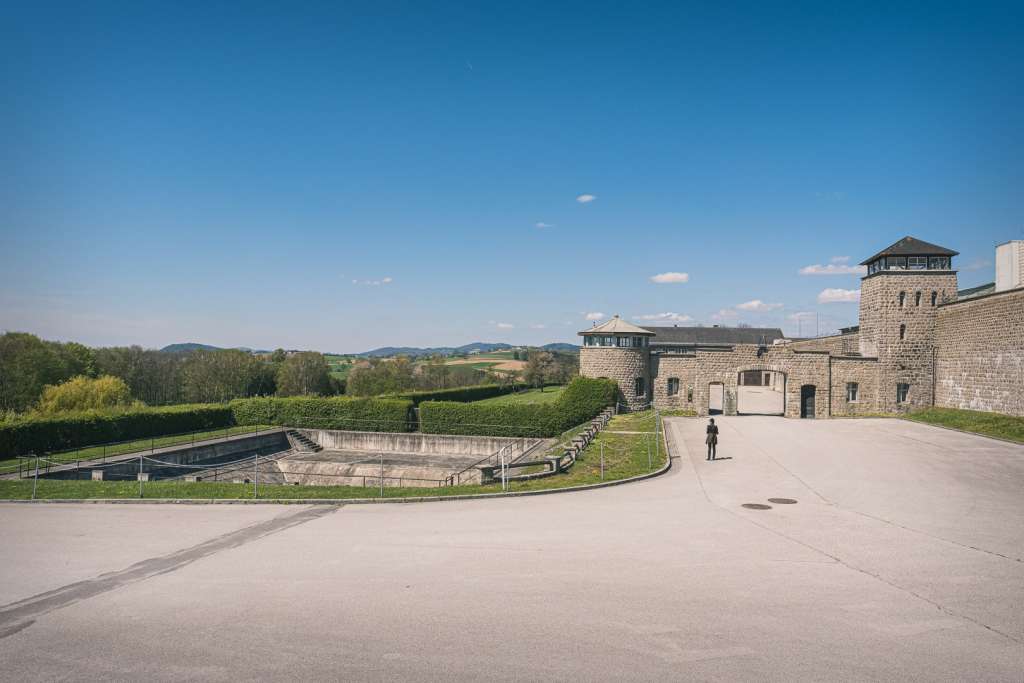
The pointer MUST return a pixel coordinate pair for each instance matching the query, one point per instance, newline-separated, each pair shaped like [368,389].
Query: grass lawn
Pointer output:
[625,455]
[95,452]
[643,420]
[989,424]
[530,396]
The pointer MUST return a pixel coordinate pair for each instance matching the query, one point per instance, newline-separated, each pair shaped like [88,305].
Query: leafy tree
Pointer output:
[381,376]
[434,373]
[211,376]
[85,393]
[303,374]
[538,368]
[27,364]
[154,377]
[278,356]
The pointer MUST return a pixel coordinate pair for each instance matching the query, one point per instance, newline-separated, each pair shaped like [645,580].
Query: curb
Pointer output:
[345,501]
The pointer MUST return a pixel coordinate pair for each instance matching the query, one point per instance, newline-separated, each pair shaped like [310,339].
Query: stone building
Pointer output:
[919,342]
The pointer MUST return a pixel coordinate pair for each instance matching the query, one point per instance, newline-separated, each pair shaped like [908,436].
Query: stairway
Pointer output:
[301,443]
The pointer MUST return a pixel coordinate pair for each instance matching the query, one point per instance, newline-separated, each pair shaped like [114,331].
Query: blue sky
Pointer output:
[343,176]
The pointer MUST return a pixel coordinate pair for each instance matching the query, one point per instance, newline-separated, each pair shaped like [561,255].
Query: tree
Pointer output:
[211,376]
[85,393]
[304,374]
[434,373]
[154,377]
[278,356]
[27,364]
[377,376]
[538,368]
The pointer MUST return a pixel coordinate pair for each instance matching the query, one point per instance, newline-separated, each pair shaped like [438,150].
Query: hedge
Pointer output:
[460,394]
[582,400]
[46,434]
[336,412]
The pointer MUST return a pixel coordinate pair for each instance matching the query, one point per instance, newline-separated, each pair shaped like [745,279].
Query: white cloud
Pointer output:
[664,317]
[833,296]
[542,224]
[593,316]
[374,283]
[670,278]
[725,314]
[585,198]
[758,305]
[504,326]
[833,269]
[839,259]
[538,326]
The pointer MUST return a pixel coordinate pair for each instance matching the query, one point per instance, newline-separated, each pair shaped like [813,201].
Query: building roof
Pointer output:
[911,246]
[616,326]
[697,336]
[980,290]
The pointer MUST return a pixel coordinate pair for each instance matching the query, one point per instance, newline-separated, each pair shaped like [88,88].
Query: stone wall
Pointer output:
[838,344]
[979,354]
[908,360]
[623,365]
[865,372]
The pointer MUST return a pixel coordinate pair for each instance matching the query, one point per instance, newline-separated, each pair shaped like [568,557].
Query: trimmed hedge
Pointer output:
[582,400]
[70,430]
[336,412]
[460,394]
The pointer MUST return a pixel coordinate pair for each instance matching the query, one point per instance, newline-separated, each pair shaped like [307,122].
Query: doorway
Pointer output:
[807,395]
[761,392]
[716,398]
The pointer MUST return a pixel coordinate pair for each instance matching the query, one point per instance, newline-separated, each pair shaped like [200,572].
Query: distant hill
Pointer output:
[189,346]
[560,346]
[475,347]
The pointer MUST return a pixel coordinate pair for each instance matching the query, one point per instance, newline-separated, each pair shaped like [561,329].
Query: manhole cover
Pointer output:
[782,501]
[756,506]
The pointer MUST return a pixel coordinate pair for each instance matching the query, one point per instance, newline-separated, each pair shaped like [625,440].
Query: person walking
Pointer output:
[712,439]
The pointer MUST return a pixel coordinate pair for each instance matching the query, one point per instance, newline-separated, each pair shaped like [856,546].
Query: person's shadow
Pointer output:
[724,457]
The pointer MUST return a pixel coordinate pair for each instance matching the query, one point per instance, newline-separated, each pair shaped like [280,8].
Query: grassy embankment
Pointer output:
[625,455]
[987,424]
[98,452]
[528,397]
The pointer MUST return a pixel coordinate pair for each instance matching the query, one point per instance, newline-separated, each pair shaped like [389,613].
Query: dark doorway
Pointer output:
[807,392]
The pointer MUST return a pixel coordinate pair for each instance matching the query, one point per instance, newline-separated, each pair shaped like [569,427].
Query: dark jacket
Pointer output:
[712,435]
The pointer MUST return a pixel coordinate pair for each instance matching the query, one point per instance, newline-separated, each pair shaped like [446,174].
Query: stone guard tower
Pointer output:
[899,297]
[621,351]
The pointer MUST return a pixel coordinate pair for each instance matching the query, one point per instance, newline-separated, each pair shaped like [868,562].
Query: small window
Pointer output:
[903,331]
[640,387]
[917,299]
[935,297]
[903,298]
[918,262]
[673,386]
[689,394]
[851,392]
[902,391]
[609,341]
[638,342]
[623,341]
[938,263]
[896,262]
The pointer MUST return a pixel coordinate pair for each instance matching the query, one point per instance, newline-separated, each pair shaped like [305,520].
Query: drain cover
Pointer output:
[756,506]
[782,501]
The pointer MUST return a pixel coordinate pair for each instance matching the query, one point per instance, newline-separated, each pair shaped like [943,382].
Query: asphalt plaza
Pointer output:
[901,558]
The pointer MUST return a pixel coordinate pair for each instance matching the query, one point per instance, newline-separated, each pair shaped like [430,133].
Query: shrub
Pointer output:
[336,412]
[582,400]
[85,393]
[460,394]
[45,433]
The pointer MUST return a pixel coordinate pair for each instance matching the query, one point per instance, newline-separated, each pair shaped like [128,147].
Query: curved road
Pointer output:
[901,559]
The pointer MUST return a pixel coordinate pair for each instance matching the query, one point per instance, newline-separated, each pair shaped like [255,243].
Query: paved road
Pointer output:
[902,559]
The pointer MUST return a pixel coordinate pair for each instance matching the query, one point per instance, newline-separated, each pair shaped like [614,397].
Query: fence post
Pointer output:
[649,465]
[602,461]
[35,480]
[381,475]
[657,436]
[256,476]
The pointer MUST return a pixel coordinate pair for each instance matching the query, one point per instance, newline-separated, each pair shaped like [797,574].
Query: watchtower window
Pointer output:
[902,391]
[938,263]
[918,262]
[673,386]
[623,341]
[903,331]
[903,298]
[917,299]
[935,297]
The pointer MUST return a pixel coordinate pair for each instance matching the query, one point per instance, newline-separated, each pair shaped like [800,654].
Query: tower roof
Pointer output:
[911,246]
[617,326]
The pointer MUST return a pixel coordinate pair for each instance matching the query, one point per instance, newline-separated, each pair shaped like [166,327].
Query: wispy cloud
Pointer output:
[758,306]
[374,283]
[542,224]
[725,314]
[538,326]
[596,315]
[836,296]
[664,317]
[503,326]
[670,278]
[834,268]
[585,198]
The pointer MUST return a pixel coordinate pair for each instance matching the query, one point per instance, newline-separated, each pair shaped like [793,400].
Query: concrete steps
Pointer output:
[301,443]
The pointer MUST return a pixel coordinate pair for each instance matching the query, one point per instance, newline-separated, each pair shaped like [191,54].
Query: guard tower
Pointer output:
[899,298]
[619,350]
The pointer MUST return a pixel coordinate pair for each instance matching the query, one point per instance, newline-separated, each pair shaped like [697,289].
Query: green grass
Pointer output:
[988,424]
[625,455]
[528,397]
[95,452]
[643,420]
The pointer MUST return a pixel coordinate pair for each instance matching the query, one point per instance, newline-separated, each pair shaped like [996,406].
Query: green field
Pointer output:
[339,365]
[528,397]
[987,424]
[106,451]
[625,455]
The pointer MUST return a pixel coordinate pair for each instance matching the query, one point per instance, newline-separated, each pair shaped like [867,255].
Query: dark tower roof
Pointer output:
[714,335]
[911,246]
